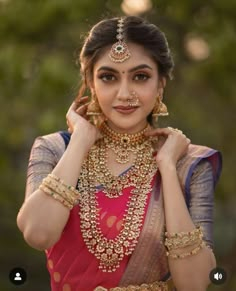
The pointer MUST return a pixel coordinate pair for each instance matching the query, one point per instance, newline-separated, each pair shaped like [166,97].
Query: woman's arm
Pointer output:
[190,273]
[41,217]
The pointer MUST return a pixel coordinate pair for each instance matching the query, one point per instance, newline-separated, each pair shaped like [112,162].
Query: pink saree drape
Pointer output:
[71,264]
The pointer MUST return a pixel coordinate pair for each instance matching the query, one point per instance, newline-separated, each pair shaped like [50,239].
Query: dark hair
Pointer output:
[136,30]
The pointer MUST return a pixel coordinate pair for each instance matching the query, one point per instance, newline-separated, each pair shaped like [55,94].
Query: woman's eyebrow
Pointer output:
[107,68]
[142,66]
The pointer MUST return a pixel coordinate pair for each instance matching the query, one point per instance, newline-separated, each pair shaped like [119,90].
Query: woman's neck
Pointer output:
[131,130]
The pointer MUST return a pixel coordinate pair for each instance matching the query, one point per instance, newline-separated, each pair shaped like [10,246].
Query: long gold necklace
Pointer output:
[113,185]
[110,252]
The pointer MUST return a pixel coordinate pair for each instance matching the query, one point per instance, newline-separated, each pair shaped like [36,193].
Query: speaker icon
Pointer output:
[218,276]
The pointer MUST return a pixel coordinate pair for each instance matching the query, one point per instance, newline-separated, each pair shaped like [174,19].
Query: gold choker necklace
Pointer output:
[122,144]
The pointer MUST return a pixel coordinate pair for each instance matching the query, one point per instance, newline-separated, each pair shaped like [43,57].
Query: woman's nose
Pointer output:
[123,92]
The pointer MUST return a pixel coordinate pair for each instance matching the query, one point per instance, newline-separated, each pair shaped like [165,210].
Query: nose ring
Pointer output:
[134,101]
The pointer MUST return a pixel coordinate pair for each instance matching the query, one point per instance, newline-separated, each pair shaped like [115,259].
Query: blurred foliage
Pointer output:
[39,79]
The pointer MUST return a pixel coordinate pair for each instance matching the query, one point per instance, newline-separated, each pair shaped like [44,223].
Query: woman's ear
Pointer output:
[161,87]
[162,83]
[91,87]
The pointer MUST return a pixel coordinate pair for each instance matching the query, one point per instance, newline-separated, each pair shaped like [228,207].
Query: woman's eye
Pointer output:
[107,77]
[141,77]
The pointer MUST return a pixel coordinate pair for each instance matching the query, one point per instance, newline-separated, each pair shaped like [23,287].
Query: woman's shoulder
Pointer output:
[55,142]
[200,158]
[58,137]
[197,153]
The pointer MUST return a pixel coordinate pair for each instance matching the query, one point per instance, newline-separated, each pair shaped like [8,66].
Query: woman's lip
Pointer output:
[125,107]
[125,110]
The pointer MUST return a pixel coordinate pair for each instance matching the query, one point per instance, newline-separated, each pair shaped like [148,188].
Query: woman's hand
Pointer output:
[77,122]
[172,145]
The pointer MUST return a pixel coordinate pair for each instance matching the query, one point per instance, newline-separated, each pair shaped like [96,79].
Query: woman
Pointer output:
[115,202]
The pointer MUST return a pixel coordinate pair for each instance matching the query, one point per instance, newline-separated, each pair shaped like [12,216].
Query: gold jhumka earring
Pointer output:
[119,51]
[94,112]
[160,109]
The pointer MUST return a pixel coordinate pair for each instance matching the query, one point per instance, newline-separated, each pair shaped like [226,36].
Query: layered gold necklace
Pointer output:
[110,252]
[122,144]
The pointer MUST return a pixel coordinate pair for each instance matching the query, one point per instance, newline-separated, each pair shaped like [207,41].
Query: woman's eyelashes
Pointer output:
[141,77]
[108,77]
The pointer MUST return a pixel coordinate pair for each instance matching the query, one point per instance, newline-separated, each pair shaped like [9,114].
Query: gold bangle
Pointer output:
[74,192]
[54,193]
[58,188]
[187,254]
[183,239]
[57,197]
[182,234]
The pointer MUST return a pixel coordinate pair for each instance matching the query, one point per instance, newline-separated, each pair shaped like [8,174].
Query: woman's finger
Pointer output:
[82,109]
[81,100]
[71,109]
[164,131]
[175,130]
[158,131]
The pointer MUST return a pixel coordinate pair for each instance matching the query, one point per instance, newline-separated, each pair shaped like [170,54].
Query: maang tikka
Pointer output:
[119,51]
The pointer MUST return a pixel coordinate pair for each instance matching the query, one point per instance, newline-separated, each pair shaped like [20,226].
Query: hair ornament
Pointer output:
[119,51]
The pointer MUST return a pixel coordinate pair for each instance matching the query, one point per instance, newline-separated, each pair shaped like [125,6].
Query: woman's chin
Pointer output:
[126,126]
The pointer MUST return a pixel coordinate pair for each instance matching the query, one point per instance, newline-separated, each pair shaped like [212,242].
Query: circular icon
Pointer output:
[18,276]
[218,276]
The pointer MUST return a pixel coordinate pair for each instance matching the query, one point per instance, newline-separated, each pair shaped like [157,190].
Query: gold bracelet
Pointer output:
[182,234]
[58,186]
[60,189]
[56,189]
[74,192]
[56,196]
[184,255]
[183,239]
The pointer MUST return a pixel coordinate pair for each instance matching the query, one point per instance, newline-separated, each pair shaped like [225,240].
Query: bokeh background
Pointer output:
[39,42]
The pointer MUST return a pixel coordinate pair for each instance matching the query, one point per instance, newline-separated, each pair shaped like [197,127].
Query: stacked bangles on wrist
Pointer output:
[181,240]
[56,188]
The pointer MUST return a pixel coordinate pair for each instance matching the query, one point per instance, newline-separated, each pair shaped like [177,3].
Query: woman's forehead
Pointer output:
[139,56]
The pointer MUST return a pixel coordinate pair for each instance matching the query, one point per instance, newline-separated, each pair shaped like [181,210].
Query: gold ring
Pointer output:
[178,130]
[175,129]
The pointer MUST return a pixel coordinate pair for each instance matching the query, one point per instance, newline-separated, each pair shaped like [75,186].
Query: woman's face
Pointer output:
[113,84]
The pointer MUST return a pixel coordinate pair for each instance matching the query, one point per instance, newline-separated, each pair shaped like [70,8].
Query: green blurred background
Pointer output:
[39,79]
